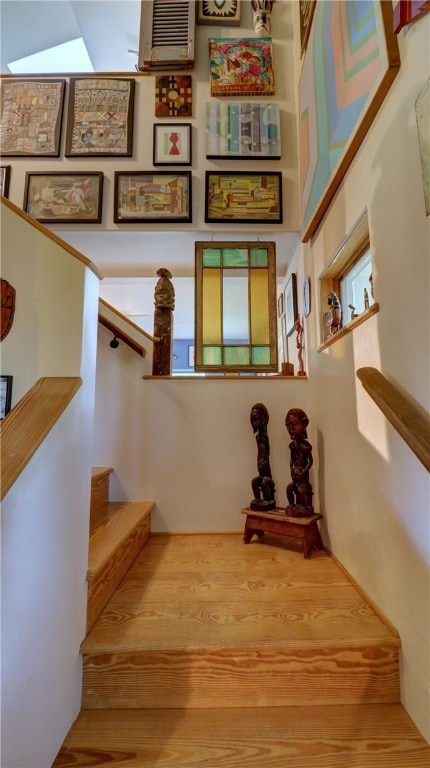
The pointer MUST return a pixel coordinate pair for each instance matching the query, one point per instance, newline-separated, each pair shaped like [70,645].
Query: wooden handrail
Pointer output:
[119,334]
[127,320]
[405,417]
[25,427]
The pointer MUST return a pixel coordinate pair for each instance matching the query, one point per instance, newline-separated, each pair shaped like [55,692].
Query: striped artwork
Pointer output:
[351,60]
[243,130]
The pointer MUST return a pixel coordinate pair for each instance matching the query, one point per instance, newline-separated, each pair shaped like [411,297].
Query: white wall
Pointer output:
[45,515]
[373,491]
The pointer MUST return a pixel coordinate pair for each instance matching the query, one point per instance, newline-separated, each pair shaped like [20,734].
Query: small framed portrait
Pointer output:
[152,196]
[64,197]
[4,179]
[5,395]
[172,144]
[290,296]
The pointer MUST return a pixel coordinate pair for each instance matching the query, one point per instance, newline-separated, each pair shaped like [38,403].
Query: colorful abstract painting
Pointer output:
[243,130]
[241,66]
[351,60]
[173,96]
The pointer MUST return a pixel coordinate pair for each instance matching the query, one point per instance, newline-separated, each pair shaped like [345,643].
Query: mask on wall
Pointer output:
[262,16]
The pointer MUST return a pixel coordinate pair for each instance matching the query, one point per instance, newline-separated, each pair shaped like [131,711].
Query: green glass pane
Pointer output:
[259,257]
[261,355]
[235,257]
[211,257]
[211,355]
[236,355]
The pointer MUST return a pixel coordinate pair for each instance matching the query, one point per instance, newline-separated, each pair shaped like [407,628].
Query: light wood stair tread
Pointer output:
[97,472]
[348,736]
[112,524]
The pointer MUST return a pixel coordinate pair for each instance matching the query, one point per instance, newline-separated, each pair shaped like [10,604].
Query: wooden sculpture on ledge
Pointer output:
[164,301]
[299,490]
[263,486]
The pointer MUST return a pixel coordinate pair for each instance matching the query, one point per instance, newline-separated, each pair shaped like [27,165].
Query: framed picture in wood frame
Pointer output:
[67,197]
[290,302]
[31,117]
[172,144]
[152,196]
[243,197]
[212,12]
[5,395]
[100,117]
[4,179]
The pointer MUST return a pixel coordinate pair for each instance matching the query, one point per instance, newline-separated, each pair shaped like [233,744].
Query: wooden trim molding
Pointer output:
[25,427]
[411,423]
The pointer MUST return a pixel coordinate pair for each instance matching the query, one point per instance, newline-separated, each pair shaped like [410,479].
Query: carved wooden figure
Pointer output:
[262,15]
[164,301]
[263,485]
[299,490]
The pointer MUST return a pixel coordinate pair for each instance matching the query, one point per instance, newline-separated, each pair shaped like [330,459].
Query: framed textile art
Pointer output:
[31,115]
[351,60]
[100,117]
[64,197]
[245,130]
[241,66]
[219,12]
[173,96]
[172,144]
[243,197]
[152,196]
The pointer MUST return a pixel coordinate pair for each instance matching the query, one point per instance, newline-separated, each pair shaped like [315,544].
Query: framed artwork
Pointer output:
[290,300]
[31,115]
[242,197]
[340,94]
[243,130]
[66,197]
[306,296]
[422,112]
[172,144]
[100,117]
[307,10]
[241,66]
[5,395]
[4,179]
[407,11]
[173,96]
[152,196]
[219,12]
[280,305]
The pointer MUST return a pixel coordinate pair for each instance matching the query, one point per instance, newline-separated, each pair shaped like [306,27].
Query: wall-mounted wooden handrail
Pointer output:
[127,320]
[119,334]
[405,417]
[25,427]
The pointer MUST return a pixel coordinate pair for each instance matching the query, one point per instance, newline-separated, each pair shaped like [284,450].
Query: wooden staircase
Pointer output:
[218,654]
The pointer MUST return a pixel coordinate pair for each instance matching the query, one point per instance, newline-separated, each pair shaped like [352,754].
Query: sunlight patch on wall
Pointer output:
[371,422]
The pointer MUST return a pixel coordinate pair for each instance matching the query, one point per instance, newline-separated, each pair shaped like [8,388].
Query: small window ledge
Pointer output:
[349,326]
[227,377]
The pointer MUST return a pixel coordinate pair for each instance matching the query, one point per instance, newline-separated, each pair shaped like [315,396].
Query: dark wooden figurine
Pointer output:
[263,486]
[299,491]
[164,301]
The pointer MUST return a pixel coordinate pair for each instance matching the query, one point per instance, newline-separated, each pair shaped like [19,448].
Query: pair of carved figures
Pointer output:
[299,490]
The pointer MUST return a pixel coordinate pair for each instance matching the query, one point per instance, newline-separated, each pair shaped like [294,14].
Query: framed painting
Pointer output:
[351,60]
[152,196]
[66,197]
[5,395]
[31,116]
[241,66]
[407,11]
[242,197]
[219,12]
[172,144]
[100,117]
[243,130]
[307,10]
[173,96]
[290,301]
[4,179]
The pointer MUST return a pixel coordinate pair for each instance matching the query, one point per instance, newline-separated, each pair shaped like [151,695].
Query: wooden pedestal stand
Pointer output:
[304,528]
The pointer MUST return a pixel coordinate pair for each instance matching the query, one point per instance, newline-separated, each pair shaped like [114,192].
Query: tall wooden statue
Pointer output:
[299,491]
[263,486]
[164,301]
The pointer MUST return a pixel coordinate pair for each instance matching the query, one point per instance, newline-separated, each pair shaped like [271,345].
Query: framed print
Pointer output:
[5,395]
[306,296]
[280,305]
[219,12]
[152,196]
[172,144]
[340,94]
[241,66]
[100,117]
[290,304]
[31,115]
[4,179]
[173,96]
[307,10]
[243,130]
[243,197]
[64,197]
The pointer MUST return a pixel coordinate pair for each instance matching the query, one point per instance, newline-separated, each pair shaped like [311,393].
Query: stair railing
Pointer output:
[119,333]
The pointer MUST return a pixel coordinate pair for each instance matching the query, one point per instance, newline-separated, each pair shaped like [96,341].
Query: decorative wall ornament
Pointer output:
[291,304]
[172,144]
[262,16]
[64,197]
[219,12]
[241,66]
[307,9]
[31,114]
[8,295]
[243,130]
[351,60]
[173,96]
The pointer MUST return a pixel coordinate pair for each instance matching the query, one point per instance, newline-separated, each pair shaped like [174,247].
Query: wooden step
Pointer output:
[206,621]
[120,530]
[355,736]
[99,489]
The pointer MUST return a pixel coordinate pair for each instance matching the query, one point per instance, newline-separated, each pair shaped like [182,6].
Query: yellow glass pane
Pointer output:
[259,292]
[211,306]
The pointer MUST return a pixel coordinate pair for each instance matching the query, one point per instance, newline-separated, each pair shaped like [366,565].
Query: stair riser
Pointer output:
[241,679]
[104,584]
[99,492]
